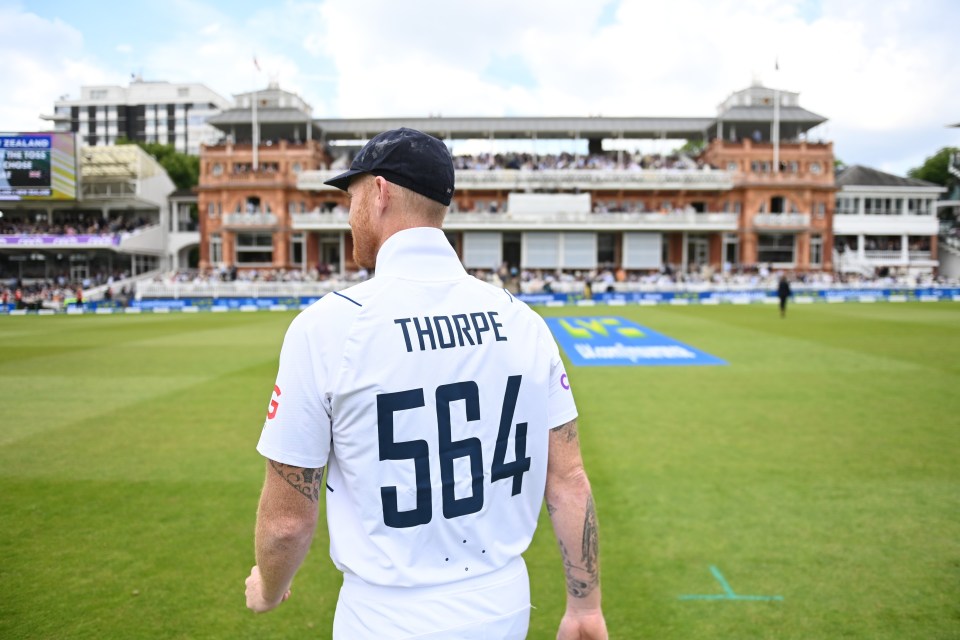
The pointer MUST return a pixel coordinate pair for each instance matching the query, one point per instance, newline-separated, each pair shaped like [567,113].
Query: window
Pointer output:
[846,243]
[821,210]
[815,168]
[918,206]
[183,92]
[732,166]
[297,167]
[816,250]
[216,248]
[731,249]
[919,246]
[606,249]
[254,248]
[776,247]
[298,251]
[98,94]
[847,206]
[217,169]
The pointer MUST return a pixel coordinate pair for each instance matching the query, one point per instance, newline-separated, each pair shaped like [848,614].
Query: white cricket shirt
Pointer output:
[429,395]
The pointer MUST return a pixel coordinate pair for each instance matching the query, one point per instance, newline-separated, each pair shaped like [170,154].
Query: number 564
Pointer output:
[419,451]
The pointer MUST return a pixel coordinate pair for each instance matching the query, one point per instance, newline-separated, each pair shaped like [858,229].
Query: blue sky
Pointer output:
[882,71]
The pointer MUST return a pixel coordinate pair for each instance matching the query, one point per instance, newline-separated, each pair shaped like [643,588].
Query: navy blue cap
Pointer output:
[407,157]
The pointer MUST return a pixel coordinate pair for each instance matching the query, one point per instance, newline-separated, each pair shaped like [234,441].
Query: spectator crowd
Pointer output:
[72,223]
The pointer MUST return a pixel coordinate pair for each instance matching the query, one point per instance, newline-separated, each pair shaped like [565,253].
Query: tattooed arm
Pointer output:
[286,520]
[574,518]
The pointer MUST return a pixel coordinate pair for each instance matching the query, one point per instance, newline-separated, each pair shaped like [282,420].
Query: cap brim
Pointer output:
[342,181]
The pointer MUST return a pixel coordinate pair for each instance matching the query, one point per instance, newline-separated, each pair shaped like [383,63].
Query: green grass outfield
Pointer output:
[822,465]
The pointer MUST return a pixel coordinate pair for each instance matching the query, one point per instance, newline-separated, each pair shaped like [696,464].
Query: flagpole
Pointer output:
[255,132]
[254,125]
[776,123]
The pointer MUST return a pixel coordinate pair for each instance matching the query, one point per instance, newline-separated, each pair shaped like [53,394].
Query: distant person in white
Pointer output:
[441,406]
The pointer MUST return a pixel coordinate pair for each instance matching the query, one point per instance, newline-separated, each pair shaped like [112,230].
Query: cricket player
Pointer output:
[441,409]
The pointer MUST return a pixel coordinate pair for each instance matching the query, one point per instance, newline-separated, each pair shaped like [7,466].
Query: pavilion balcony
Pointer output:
[781,220]
[565,180]
[674,221]
[252,219]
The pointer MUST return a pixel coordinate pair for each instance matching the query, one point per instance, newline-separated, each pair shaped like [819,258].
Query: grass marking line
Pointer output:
[728,592]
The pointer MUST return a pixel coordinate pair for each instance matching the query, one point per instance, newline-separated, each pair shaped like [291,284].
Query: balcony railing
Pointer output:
[534,221]
[781,220]
[237,289]
[783,178]
[252,177]
[596,179]
[255,219]
[119,189]
[886,255]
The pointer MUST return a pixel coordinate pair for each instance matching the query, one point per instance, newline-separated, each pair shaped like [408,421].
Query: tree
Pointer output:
[183,169]
[935,169]
[692,148]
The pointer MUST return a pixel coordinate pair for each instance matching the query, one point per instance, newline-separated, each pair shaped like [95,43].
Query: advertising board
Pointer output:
[38,166]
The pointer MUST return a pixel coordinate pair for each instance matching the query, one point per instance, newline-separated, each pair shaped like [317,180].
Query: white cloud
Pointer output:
[32,76]
[881,72]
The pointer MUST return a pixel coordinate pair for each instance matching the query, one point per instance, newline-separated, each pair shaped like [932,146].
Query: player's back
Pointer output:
[439,430]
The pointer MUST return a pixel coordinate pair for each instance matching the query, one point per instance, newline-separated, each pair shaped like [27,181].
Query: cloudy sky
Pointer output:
[884,72]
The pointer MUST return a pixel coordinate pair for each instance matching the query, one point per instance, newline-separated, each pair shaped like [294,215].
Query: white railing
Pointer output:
[781,220]
[257,219]
[895,255]
[521,180]
[108,190]
[727,221]
[284,290]
[237,289]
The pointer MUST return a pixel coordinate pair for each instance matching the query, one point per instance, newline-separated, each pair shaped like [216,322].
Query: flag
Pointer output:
[776,64]
[255,63]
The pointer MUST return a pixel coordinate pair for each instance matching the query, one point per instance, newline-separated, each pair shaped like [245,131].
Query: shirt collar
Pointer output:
[420,253]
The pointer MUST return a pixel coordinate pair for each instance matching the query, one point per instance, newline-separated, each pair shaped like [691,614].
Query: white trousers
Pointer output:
[495,606]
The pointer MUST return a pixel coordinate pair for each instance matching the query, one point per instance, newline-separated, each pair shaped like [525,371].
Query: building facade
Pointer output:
[759,195]
[248,192]
[117,227]
[159,112]
[885,223]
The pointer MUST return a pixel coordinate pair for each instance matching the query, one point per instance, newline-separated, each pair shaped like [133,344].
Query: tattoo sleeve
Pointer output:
[569,431]
[591,543]
[305,481]
[583,571]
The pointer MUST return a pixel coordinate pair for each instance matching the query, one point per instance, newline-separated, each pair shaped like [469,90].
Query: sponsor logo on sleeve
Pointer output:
[274,403]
